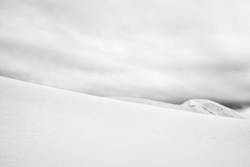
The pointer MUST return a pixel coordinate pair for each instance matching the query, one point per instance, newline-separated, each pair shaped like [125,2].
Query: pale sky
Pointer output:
[170,50]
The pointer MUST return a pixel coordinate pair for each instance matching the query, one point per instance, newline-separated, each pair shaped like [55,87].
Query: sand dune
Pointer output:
[48,127]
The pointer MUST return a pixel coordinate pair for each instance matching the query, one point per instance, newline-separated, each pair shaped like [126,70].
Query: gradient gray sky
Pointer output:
[164,50]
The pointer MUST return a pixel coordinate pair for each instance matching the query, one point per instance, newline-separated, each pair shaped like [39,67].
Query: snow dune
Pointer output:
[48,127]
[201,106]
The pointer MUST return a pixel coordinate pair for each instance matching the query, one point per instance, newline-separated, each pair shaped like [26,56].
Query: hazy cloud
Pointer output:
[164,50]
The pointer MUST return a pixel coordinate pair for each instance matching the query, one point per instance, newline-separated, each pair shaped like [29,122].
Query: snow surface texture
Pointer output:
[48,127]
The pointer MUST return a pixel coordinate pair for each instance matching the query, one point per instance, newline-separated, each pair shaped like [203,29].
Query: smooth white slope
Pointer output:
[246,113]
[47,127]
